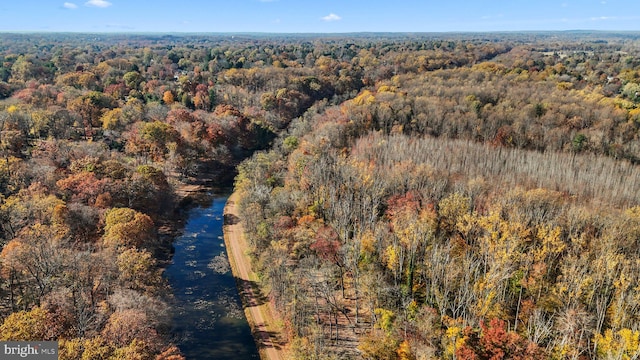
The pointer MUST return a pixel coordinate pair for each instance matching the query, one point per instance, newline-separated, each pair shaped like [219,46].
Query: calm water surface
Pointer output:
[208,317]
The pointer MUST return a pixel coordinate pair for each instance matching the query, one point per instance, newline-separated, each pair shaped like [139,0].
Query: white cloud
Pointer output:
[69,5]
[98,3]
[331,17]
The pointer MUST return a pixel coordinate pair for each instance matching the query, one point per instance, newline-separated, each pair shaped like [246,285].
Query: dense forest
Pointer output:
[477,199]
[406,196]
[98,137]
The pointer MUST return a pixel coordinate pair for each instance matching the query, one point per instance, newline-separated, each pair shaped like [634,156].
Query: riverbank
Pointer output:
[259,311]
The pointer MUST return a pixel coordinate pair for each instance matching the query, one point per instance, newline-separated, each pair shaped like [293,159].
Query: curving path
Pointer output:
[258,309]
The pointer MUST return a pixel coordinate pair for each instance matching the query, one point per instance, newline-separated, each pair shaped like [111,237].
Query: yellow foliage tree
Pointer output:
[451,209]
[127,227]
[70,349]
[138,271]
[111,119]
[168,97]
[623,344]
[26,326]
[379,346]
[453,339]
[136,350]
[404,351]
[385,319]
[96,349]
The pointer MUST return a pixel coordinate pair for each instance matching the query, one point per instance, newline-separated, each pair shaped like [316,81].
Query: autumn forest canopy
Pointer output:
[405,196]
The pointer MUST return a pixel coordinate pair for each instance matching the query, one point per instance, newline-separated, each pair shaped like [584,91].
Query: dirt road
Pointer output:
[258,309]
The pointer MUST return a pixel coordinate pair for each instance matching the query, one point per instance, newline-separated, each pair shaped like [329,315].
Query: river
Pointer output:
[209,322]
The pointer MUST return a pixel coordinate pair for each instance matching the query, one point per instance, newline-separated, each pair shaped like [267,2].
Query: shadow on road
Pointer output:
[269,339]
[250,293]
[230,219]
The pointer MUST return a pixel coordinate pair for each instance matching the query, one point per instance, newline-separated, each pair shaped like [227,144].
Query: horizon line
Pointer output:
[310,33]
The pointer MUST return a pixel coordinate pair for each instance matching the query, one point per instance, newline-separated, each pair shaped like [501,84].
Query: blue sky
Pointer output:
[325,16]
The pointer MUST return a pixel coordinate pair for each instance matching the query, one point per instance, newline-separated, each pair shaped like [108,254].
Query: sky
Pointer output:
[324,16]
